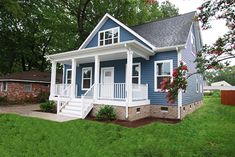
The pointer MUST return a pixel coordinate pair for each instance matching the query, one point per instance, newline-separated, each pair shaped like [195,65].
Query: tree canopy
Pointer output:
[31,29]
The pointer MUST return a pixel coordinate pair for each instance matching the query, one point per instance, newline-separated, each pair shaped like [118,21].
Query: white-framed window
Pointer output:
[109,36]
[27,87]
[193,43]
[197,84]
[162,69]
[68,76]
[4,87]
[86,78]
[136,73]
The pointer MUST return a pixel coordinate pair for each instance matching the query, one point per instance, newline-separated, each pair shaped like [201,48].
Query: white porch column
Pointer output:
[129,79]
[73,78]
[97,77]
[53,78]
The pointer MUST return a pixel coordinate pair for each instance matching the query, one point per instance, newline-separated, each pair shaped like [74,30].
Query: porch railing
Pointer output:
[63,90]
[139,92]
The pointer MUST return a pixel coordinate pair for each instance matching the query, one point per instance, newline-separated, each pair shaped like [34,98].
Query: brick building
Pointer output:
[25,86]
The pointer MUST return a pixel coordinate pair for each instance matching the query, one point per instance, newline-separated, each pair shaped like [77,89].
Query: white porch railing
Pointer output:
[112,91]
[139,92]
[87,101]
[63,90]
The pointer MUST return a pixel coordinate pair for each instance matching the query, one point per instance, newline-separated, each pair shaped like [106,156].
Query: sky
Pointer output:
[208,36]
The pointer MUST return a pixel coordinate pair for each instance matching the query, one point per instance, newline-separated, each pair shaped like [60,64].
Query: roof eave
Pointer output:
[169,48]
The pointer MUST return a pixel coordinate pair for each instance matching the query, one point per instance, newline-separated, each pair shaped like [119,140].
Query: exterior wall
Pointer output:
[124,34]
[15,91]
[189,108]
[147,73]
[190,95]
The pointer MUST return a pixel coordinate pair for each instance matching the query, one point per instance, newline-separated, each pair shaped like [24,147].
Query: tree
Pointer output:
[227,74]
[213,56]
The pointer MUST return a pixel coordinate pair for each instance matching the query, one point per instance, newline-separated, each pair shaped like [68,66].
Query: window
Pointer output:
[68,76]
[86,78]
[164,109]
[4,86]
[110,36]
[27,87]
[162,70]
[138,110]
[197,84]
[193,44]
[136,73]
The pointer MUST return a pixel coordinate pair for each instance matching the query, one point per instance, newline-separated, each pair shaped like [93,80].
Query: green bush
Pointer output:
[106,113]
[3,98]
[43,97]
[48,106]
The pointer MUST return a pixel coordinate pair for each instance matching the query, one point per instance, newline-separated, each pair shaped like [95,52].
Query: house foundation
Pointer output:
[144,111]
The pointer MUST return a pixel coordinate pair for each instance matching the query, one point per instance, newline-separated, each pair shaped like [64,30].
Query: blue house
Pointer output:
[123,67]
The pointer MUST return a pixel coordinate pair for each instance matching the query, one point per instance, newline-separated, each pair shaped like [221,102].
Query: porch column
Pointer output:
[97,77]
[73,78]
[53,78]
[129,75]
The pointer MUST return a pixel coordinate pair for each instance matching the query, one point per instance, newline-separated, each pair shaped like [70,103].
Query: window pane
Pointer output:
[69,74]
[159,80]
[115,32]
[86,73]
[101,43]
[27,87]
[109,41]
[86,83]
[102,36]
[68,81]
[115,40]
[135,80]
[108,34]
[4,86]
[108,73]
[159,68]
[135,70]
[166,69]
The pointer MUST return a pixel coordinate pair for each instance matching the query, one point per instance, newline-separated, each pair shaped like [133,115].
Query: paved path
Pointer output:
[30,111]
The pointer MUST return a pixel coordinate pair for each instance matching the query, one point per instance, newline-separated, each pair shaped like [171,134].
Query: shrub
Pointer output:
[3,98]
[43,97]
[48,106]
[106,113]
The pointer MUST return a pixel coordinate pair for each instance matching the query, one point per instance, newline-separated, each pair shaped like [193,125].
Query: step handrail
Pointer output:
[90,105]
[59,108]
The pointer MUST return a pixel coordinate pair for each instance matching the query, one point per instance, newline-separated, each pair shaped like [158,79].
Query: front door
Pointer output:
[107,83]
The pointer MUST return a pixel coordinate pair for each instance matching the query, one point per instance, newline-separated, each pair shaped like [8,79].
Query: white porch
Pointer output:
[101,91]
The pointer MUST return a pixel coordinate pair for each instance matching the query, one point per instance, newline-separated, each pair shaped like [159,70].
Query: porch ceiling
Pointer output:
[105,53]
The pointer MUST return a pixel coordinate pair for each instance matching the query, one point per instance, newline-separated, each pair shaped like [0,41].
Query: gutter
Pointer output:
[169,48]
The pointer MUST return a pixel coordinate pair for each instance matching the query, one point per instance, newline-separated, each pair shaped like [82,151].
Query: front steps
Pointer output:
[74,109]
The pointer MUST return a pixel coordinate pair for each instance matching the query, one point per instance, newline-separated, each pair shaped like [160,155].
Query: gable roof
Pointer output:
[30,76]
[102,21]
[167,32]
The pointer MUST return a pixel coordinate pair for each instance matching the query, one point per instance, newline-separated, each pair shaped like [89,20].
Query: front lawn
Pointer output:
[210,131]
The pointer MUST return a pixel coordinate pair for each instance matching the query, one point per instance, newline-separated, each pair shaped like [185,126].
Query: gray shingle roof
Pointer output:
[167,32]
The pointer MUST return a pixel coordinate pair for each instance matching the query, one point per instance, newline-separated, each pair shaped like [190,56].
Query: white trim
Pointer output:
[63,77]
[180,94]
[155,72]
[197,84]
[66,78]
[16,80]
[89,68]
[111,29]
[6,87]
[102,72]
[168,48]
[103,20]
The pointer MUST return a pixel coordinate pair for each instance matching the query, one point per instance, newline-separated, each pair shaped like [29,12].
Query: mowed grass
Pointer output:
[210,131]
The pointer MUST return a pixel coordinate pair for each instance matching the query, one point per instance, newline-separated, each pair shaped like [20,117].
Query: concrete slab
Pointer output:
[30,111]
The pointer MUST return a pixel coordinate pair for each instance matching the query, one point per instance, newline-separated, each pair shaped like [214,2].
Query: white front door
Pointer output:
[107,83]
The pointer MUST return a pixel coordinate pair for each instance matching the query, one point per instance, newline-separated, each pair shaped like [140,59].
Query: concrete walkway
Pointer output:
[30,111]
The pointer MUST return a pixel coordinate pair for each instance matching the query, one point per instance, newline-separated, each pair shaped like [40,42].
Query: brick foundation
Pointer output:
[15,91]
[158,111]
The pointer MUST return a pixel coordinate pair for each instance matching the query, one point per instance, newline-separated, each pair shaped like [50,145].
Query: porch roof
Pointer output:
[108,52]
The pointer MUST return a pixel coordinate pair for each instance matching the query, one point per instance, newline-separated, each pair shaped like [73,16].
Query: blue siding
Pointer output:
[191,95]
[147,73]
[124,34]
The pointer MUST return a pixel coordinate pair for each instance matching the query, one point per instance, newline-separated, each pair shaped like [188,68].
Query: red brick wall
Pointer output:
[15,91]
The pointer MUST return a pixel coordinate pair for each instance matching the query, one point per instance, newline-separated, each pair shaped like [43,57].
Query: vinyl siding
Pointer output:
[124,34]
[190,94]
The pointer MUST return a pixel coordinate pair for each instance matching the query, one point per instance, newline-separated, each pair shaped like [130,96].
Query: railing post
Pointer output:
[97,76]
[73,78]
[53,78]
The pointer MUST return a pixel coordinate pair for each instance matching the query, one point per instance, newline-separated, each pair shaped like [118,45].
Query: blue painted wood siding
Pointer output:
[188,57]
[147,73]
[124,34]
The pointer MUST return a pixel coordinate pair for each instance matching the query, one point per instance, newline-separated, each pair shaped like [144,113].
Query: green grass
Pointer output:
[210,131]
